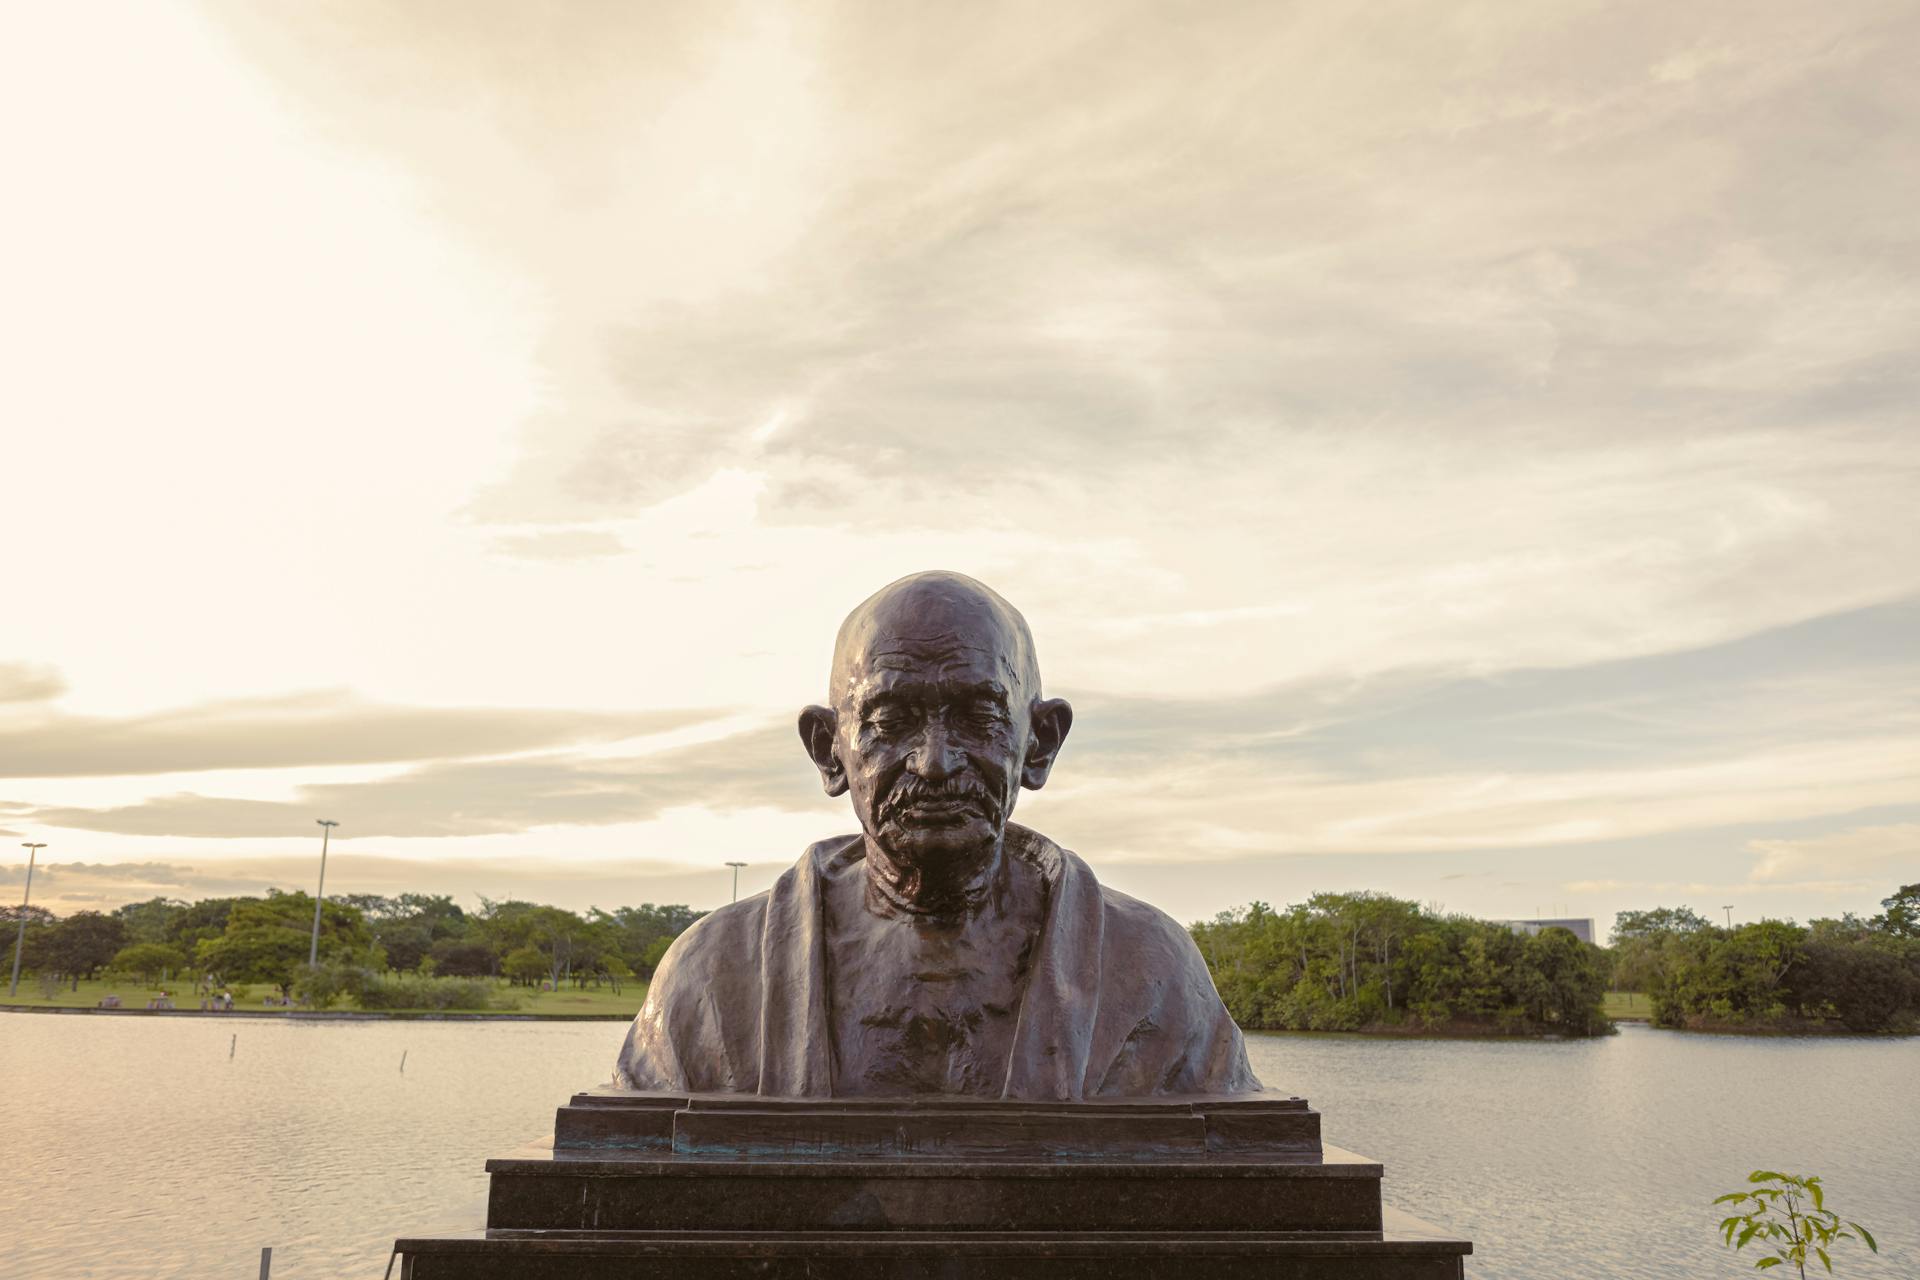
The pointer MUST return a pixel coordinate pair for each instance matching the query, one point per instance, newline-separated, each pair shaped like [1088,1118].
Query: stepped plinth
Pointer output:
[641,1185]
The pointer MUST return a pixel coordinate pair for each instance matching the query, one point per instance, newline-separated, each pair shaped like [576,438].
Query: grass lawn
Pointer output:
[1630,1005]
[566,1002]
[591,1000]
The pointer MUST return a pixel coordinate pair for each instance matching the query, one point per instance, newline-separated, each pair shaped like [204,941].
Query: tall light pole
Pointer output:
[1729,910]
[320,896]
[736,878]
[33,847]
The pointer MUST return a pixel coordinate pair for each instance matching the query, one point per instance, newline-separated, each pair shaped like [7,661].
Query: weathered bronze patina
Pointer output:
[943,950]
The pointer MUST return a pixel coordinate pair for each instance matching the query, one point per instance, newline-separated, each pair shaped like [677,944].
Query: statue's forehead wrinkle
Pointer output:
[934,619]
[913,648]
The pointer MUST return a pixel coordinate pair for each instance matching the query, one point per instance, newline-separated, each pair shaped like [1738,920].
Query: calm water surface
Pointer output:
[139,1147]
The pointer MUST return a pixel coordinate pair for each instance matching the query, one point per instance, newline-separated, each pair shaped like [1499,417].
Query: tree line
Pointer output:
[1336,962]
[1860,975]
[267,940]
[1367,961]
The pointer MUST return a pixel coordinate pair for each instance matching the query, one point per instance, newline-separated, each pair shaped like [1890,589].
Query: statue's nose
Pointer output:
[934,757]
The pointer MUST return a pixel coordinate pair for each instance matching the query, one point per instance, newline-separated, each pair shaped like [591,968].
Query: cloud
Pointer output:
[29,682]
[561,544]
[985,255]
[158,876]
[327,728]
[1869,853]
[1826,680]
[1252,348]
[484,797]
[1818,718]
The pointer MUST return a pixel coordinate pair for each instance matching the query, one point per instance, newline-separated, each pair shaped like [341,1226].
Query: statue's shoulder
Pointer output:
[1128,924]
[724,938]
[723,925]
[722,949]
[1144,928]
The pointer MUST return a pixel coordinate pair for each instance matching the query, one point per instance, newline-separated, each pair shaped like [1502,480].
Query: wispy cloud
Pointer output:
[486,797]
[29,682]
[1863,853]
[314,729]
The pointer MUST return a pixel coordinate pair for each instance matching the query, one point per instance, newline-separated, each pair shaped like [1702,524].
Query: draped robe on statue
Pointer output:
[1118,1002]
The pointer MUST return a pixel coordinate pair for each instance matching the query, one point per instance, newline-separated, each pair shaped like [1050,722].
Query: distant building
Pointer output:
[1581,929]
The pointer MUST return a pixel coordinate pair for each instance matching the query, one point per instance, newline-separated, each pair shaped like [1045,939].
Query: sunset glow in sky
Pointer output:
[1465,451]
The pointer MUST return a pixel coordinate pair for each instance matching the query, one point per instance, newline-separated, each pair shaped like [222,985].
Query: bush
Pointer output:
[414,991]
[319,986]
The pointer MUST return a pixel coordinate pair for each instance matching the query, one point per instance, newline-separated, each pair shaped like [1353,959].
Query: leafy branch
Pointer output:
[1789,1214]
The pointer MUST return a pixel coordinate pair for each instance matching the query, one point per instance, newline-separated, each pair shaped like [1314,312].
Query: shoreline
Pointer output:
[327,1015]
[432,1015]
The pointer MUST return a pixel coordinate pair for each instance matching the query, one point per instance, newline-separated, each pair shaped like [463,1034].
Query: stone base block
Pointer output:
[660,1186]
[1407,1250]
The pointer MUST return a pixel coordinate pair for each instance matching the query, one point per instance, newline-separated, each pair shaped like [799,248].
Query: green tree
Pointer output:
[1643,940]
[1563,981]
[1866,987]
[1858,973]
[202,921]
[31,940]
[616,968]
[1901,915]
[558,934]
[83,944]
[150,921]
[656,952]
[1343,961]
[407,927]
[636,931]
[150,962]
[525,965]
[462,958]
[266,940]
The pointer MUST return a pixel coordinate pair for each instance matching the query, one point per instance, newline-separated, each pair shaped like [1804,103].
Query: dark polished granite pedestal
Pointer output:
[655,1185]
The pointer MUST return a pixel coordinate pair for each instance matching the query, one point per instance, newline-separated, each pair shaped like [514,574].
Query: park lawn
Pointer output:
[1629,1005]
[133,994]
[592,1002]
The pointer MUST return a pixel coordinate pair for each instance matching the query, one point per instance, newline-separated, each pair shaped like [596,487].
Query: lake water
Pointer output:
[163,1147]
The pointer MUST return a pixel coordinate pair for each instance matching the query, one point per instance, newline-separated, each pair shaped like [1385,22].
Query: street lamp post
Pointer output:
[736,878]
[320,895]
[1729,910]
[33,847]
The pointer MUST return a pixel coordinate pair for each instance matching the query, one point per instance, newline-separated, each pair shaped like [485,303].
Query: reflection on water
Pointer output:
[138,1147]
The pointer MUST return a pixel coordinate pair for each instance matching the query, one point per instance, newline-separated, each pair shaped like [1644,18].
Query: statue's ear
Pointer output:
[816,734]
[1052,717]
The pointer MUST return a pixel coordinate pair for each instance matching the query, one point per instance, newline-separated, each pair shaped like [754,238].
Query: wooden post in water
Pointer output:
[266,1262]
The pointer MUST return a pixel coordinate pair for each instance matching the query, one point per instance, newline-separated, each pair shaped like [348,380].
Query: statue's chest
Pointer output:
[917,1010]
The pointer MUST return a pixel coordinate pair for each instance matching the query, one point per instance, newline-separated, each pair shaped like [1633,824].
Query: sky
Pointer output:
[1462,451]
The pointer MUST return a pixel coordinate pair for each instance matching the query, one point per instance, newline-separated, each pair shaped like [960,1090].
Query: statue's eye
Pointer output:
[887,719]
[985,716]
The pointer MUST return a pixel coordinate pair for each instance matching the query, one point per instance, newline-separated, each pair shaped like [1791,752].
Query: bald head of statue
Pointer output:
[935,722]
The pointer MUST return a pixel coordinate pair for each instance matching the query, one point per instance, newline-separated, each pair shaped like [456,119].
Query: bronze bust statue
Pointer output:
[943,950]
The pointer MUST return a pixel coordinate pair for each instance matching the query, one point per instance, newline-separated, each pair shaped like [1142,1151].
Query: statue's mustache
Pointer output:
[913,789]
